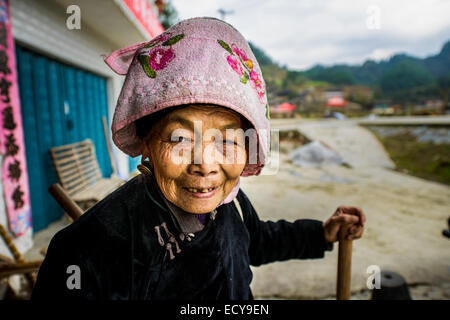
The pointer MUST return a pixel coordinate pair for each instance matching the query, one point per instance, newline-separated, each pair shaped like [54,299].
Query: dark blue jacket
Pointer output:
[116,248]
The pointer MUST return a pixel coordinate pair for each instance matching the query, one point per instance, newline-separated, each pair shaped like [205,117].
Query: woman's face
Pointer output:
[197,153]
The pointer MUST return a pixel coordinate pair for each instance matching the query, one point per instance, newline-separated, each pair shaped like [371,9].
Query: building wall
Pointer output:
[41,26]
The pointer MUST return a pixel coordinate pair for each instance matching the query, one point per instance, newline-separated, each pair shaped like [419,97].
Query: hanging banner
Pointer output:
[12,147]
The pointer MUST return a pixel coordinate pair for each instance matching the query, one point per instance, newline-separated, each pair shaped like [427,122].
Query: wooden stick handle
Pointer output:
[344,270]
[63,199]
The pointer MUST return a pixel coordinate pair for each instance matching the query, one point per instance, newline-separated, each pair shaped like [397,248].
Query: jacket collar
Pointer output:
[184,221]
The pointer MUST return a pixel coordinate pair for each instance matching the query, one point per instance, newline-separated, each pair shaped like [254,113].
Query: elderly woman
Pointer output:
[194,105]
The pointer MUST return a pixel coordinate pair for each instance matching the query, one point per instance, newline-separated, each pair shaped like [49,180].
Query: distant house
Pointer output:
[383,107]
[333,93]
[336,102]
[434,104]
[430,106]
[357,93]
[284,110]
[335,99]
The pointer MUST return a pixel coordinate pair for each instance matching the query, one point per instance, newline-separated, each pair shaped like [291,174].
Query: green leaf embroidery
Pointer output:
[144,60]
[245,78]
[244,64]
[225,46]
[150,44]
[267,111]
[173,40]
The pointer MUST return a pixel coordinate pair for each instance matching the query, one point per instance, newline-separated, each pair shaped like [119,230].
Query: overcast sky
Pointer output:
[302,33]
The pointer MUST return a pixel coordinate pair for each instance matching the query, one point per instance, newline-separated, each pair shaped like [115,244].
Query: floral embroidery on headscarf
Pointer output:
[235,64]
[243,66]
[157,57]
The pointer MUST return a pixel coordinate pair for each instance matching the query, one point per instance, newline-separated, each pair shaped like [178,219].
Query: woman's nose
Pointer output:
[204,160]
[203,169]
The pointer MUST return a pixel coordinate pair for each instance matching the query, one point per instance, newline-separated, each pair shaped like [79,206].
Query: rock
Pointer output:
[314,154]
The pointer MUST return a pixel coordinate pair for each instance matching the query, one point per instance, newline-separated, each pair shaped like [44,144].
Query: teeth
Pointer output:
[200,190]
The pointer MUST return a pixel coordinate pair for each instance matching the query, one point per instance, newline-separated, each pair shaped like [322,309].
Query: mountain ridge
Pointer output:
[402,77]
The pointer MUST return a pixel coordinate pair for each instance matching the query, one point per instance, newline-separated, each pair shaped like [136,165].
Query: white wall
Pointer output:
[41,26]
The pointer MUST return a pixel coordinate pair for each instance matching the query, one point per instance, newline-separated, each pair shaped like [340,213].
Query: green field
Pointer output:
[426,160]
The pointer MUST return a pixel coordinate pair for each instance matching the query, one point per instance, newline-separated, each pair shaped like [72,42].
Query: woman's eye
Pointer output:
[226,142]
[181,139]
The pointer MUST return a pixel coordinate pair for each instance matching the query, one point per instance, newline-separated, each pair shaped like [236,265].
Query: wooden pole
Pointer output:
[344,270]
[63,199]
[15,252]
[108,145]
[20,267]
[5,259]
[10,244]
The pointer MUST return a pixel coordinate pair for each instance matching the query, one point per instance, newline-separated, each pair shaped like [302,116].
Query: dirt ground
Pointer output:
[405,219]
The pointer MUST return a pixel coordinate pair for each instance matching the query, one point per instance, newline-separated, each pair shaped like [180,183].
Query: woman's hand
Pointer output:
[342,216]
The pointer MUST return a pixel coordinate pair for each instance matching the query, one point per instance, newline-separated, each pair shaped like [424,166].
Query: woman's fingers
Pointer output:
[347,215]
[355,233]
[362,217]
[354,217]
[346,219]
[356,230]
[351,210]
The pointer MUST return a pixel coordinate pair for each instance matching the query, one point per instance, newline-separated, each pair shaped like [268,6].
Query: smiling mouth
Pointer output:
[200,190]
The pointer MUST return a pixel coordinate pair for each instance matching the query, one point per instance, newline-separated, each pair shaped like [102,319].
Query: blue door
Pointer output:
[60,104]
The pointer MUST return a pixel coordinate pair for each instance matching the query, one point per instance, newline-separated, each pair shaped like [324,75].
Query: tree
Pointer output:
[168,15]
[262,58]
[405,75]
[444,88]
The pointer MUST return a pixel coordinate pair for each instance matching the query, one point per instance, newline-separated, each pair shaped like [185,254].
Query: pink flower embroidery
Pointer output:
[255,79]
[260,93]
[160,57]
[235,65]
[240,53]
[156,56]
[257,84]
[243,66]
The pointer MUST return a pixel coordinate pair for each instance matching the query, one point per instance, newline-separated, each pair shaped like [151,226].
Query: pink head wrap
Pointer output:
[200,60]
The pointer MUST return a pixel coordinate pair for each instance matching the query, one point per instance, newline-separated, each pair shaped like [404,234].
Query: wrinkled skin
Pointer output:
[208,170]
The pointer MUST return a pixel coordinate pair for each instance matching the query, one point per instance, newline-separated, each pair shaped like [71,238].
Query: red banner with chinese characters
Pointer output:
[12,147]
[144,14]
